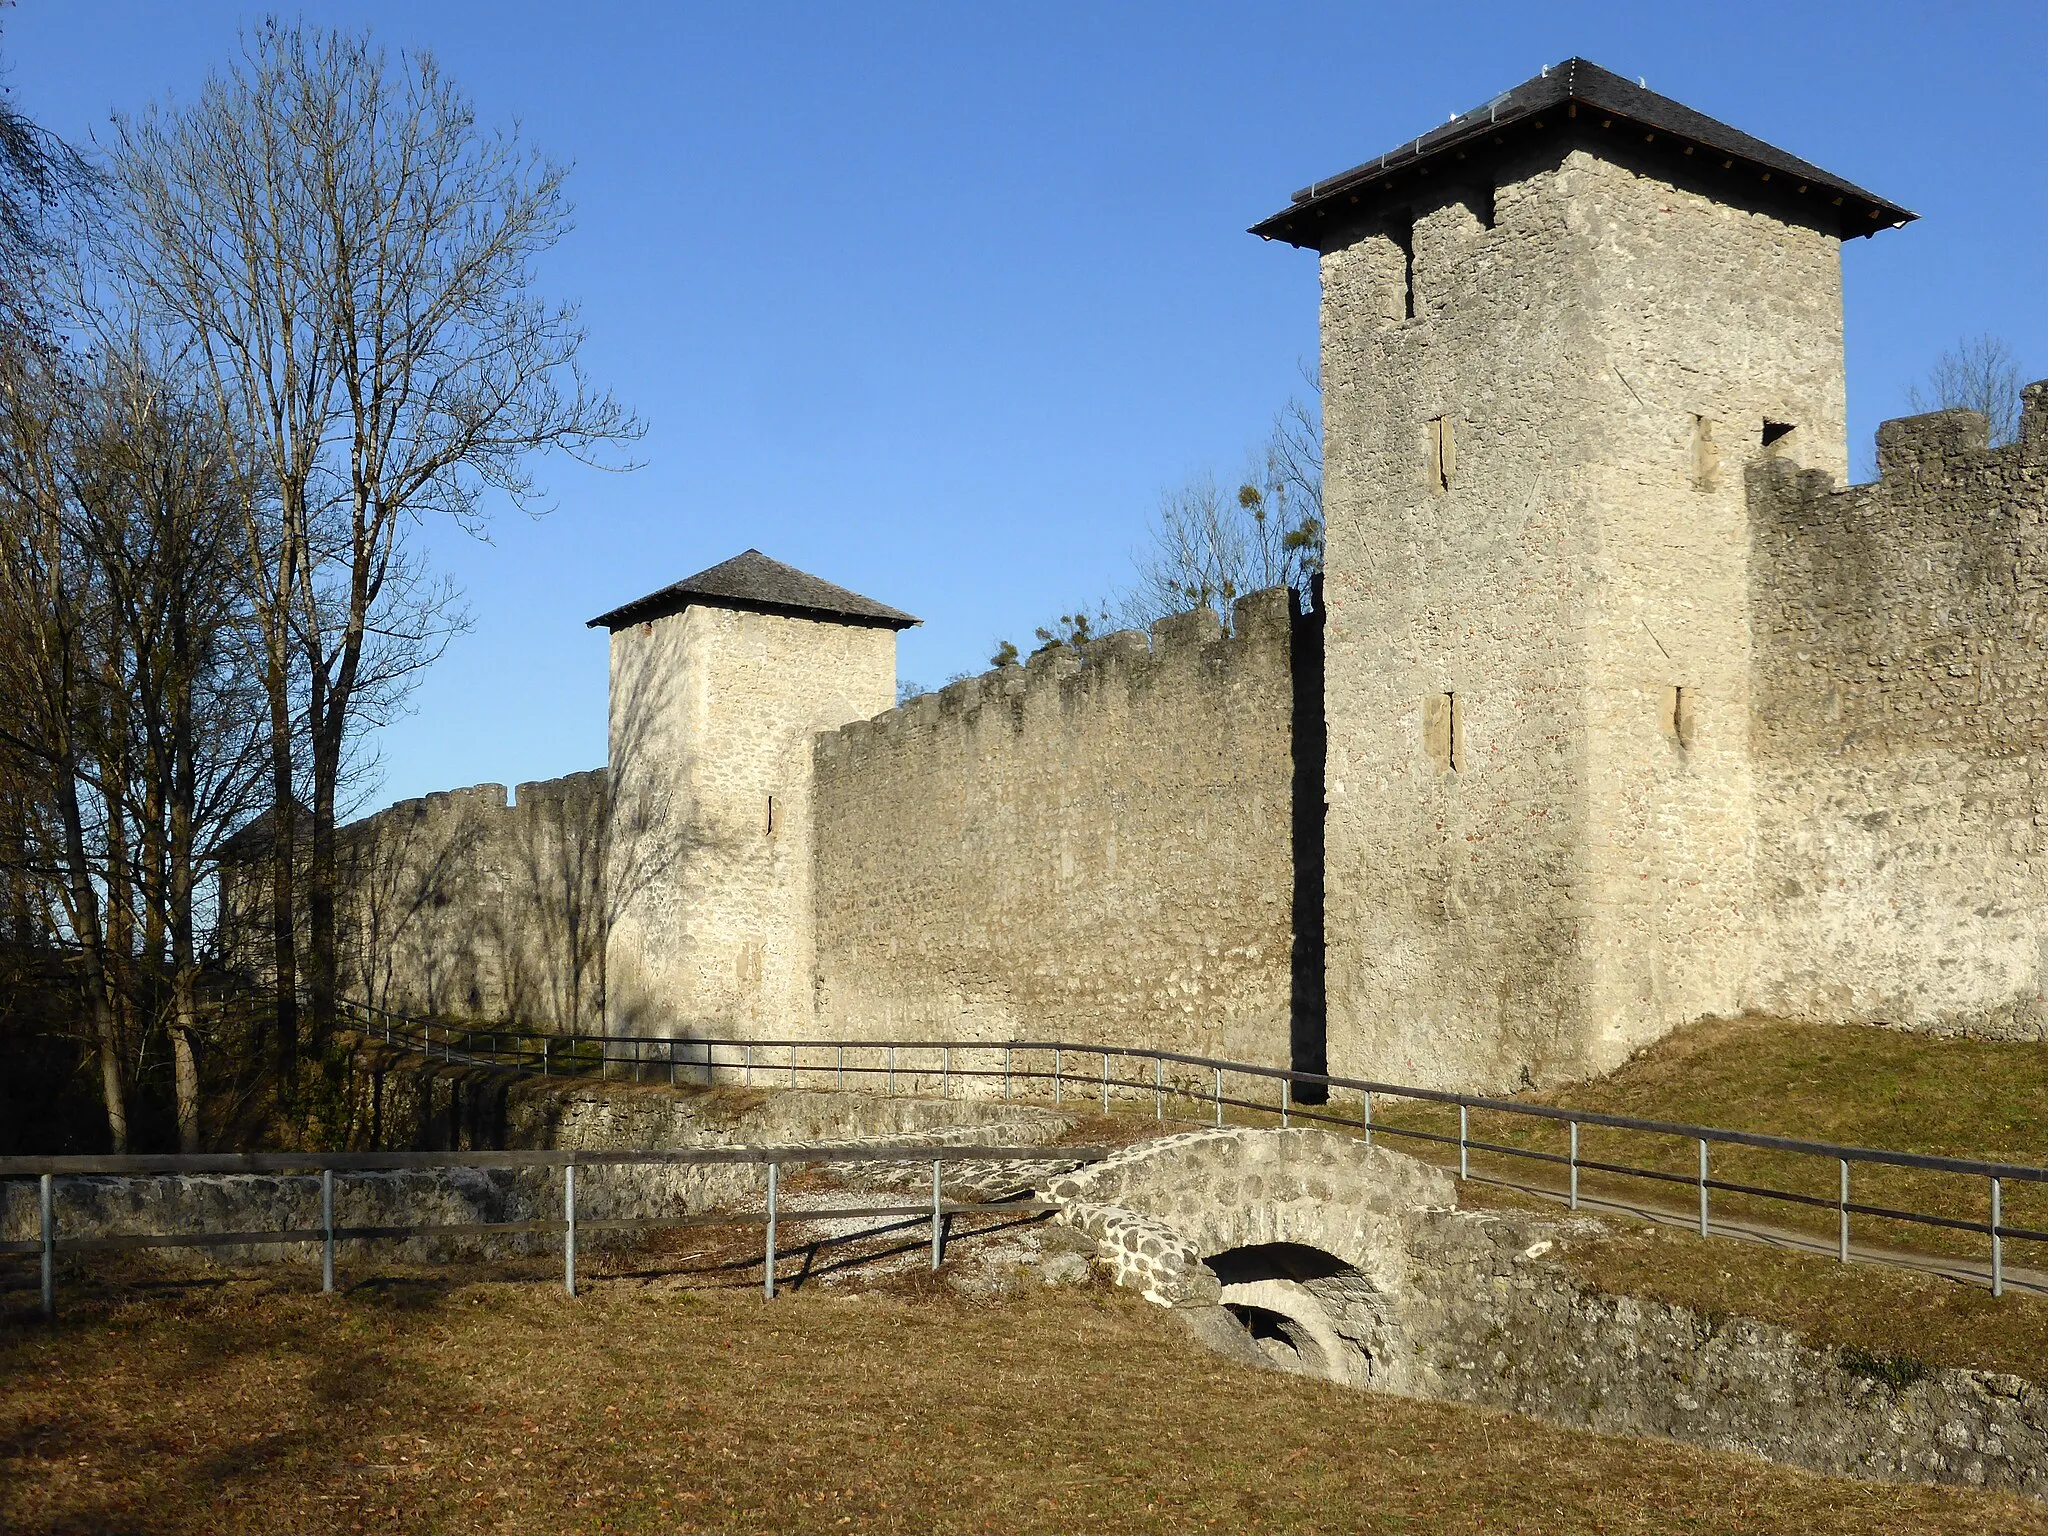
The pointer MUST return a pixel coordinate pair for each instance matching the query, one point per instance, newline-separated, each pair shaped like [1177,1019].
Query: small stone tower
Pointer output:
[1554,332]
[718,684]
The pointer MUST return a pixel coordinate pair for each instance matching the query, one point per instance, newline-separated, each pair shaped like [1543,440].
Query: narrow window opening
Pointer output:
[1678,708]
[1440,731]
[1443,453]
[1480,201]
[1706,455]
[1403,235]
[771,816]
[1775,432]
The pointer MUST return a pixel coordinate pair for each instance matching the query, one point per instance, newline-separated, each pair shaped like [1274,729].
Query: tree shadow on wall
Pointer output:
[650,831]
[551,927]
[413,942]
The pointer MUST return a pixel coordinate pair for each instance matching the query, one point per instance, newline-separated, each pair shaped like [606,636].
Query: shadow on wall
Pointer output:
[464,907]
[1308,1048]
[652,838]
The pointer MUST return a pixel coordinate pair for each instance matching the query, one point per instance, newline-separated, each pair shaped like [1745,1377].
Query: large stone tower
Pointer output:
[718,684]
[1554,331]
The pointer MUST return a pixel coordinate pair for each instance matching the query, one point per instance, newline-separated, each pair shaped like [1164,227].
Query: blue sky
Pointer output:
[934,301]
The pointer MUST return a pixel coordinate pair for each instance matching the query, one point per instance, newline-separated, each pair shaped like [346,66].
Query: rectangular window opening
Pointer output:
[1440,731]
[1443,453]
[1402,232]
[1480,201]
[1706,455]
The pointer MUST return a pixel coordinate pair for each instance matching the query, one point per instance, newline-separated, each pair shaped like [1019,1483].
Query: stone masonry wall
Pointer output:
[1096,846]
[1539,396]
[460,905]
[1901,717]
[712,715]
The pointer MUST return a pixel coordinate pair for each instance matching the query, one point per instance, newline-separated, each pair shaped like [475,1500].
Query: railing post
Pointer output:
[1368,1116]
[750,1064]
[1575,1165]
[1105,1082]
[1219,1098]
[1842,1212]
[46,1202]
[792,1063]
[327,1231]
[1997,1244]
[545,1041]
[1464,1139]
[768,1274]
[1159,1088]
[938,1221]
[1055,1074]
[569,1228]
[945,1071]
[1286,1096]
[841,1084]
[1008,1052]
[1703,1186]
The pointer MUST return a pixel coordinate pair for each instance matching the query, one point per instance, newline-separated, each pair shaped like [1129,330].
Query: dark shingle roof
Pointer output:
[753,581]
[1582,98]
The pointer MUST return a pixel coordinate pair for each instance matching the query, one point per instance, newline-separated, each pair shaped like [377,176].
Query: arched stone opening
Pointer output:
[1307,1311]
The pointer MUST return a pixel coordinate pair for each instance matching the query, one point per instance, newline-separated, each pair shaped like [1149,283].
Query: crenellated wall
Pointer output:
[459,905]
[1095,846]
[1900,718]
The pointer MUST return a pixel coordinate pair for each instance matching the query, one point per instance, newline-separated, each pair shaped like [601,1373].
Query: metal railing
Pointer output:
[326,1166]
[1182,1078]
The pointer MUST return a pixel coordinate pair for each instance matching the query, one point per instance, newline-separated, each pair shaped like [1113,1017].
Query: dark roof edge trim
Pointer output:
[1561,87]
[661,604]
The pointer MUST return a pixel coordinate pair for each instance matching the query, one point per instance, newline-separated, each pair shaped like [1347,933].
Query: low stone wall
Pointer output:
[537,1115]
[1373,1278]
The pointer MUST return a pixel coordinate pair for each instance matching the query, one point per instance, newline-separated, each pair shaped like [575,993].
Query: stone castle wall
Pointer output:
[459,905]
[713,711]
[1901,718]
[1530,546]
[1097,846]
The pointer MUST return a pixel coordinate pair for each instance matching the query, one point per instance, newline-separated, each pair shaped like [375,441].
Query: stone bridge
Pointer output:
[1315,1253]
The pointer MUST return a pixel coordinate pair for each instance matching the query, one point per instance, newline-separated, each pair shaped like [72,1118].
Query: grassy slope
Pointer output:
[510,1408]
[1860,1086]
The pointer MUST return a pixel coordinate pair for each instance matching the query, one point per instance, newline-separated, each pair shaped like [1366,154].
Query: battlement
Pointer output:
[1063,678]
[1936,473]
[1097,842]
[488,799]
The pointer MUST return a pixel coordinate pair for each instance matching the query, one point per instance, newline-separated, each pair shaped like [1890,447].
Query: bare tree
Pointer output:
[40,177]
[1979,374]
[351,258]
[124,704]
[1208,547]
[160,523]
[50,608]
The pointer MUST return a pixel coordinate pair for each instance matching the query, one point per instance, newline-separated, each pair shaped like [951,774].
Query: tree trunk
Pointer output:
[283,919]
[85,916]
[323,979]
[184,967]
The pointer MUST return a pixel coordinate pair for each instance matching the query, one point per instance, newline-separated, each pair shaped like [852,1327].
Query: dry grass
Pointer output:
[492,1407]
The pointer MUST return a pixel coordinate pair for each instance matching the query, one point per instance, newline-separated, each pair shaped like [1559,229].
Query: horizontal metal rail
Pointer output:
[1202,1081]
[399,1162]
[324,1165]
